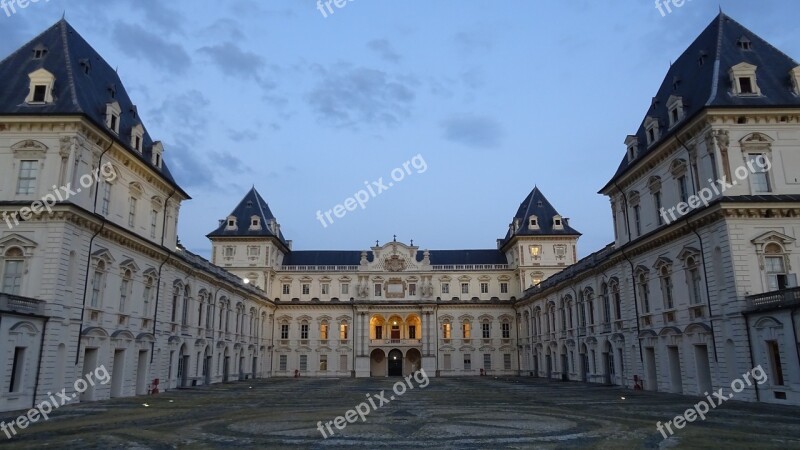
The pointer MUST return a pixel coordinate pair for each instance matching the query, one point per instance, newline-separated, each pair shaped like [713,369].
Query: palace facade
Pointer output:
[697,288]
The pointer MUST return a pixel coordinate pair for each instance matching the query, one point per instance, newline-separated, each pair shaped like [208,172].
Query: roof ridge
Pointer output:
[717,59]
[68,64]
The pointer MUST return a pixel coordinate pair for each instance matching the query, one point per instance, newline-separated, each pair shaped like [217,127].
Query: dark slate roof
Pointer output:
[75,93]
[709,85]
[251,205]
[353,257]
[574,270]
[536,204]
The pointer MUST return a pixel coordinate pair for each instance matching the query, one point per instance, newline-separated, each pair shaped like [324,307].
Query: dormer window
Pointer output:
[795,76]
[652,130]
[137,133]
[86,66]
[533,223]
[701,59]
[158,149]
[744,43]
[743,79]
[112,90]
[113,112]
[255,223]
[632,142]
[675,106]
[39,52]
[41,87]
[558,223]
[231,223]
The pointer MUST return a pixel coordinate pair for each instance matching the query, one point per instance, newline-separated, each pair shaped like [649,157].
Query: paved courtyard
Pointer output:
[459,413]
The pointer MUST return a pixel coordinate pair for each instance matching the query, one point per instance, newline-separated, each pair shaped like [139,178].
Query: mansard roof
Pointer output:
[700,78]
[536,204]
[76,91]
[251,205]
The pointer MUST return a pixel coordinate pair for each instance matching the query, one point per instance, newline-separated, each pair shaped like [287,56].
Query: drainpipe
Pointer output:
[39,368]
[436,342]
[633,273]
[703,255]
[353,337]
[160,268]
[89,256]
[519,366]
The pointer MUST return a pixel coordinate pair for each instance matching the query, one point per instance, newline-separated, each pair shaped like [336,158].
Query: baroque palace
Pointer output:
[697,288]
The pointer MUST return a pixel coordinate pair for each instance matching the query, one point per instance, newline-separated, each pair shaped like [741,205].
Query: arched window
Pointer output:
[147,294]
[617,300]
[323,330]
[590,304]
[185,306]
[176,293]
[606,304]
[201,300]
[12,271]
[466,329]
[775,267]
[446,329]
[343,330]
[666,287]
[644,291]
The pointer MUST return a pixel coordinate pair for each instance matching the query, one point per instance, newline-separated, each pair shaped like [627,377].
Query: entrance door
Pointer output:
[395,363]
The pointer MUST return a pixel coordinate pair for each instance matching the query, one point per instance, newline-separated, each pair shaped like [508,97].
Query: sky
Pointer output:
[469,104]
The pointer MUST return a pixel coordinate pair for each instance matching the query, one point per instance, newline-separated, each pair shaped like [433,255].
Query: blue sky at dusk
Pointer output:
[496,97]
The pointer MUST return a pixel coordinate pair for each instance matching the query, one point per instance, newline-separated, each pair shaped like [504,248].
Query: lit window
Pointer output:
[343,331]
[446,330]
[323,331]
[536,251]
[466,329]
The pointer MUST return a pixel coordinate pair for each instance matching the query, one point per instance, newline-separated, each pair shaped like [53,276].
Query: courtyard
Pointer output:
[478,412]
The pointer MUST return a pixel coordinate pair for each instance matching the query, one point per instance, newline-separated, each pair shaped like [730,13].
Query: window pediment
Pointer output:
[129,264]
[688,252]
[661,262]
[17,240]
[29,148]
[773,236]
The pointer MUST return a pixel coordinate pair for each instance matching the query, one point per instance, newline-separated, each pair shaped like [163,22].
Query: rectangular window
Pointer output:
[17,370]
[123,294]
[106,198]
[776,273]
[759,179]
[343,363]
[97,285]
[323,331]
[666,287]
[466,330]
[465,288]
[445,288]
[683,189]
[536,251]
[504,288]
[345,288]
[506,330]
[657,199]
[637,218]
[26,183]
[283,363]
[745,85]
[12,277]
[378,290]
[467,362]
[412,289]
[487,361]
[153,223]
[230,251]
[712,159]
[303,363]
[695,296]
[484,288]
[507,361]
[379,332]
[323,363]
[304,331]
[39,93]
[486,329]
[324,288]
[412,331]
[445,331]
[561,251]
[284,331]
[287,288]
[448,361]
[343,331]
[132,212]
[306,288]
[253,250]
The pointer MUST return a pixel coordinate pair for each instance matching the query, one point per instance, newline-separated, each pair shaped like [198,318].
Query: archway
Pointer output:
[395,363]
[183,367]
[414,359]
[377,363]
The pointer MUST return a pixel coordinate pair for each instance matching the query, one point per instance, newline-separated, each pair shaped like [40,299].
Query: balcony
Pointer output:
[21,305]
[774,300]
[395,342]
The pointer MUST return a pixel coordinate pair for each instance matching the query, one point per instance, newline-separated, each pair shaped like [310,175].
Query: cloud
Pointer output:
[189,170]
[235,62]
[157,13]
[229,162]
[225,29]
[473,78]
[473,131]
[242,135]
[187,112]
[346,96]
[384,49]
[140,43]
[470,42]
